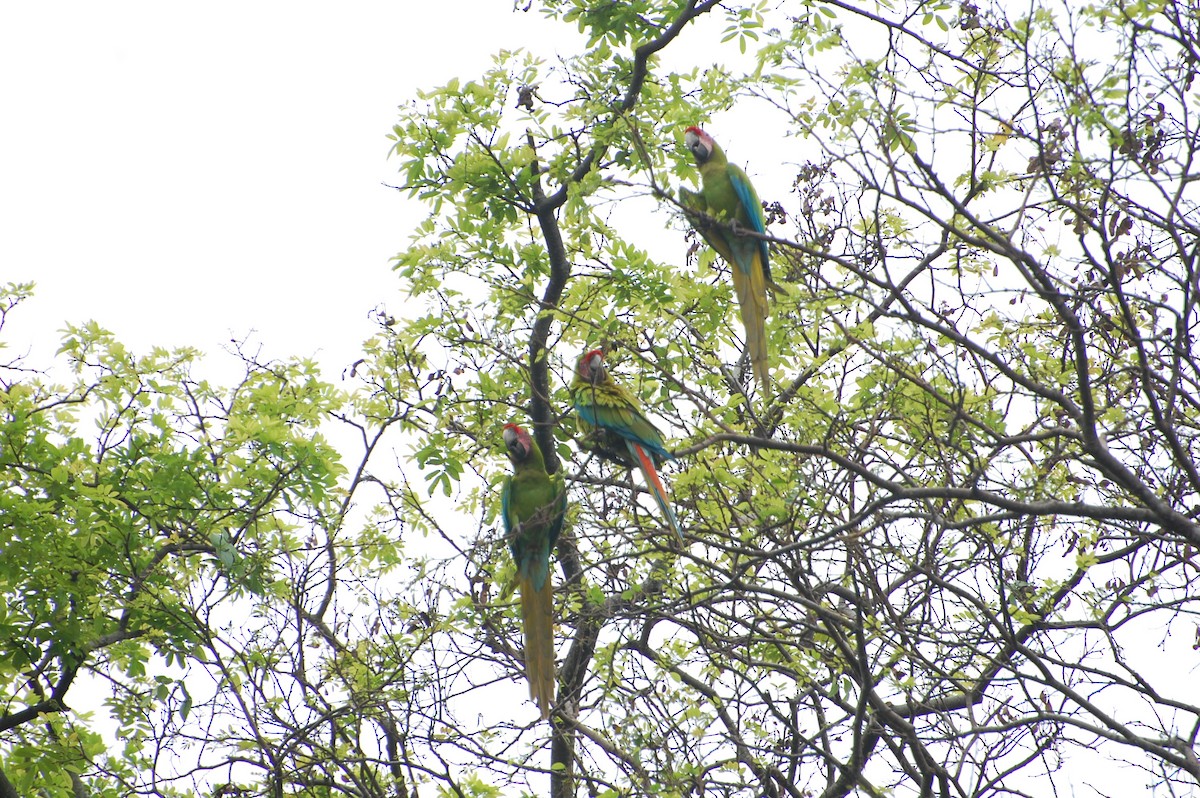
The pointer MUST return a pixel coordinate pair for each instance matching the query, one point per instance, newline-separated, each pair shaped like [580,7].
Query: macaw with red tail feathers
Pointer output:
[533,504]
[726,203]
[612,425]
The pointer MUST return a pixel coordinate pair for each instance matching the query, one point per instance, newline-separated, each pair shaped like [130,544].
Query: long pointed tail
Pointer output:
[657,489]
[751,289]
[537,615]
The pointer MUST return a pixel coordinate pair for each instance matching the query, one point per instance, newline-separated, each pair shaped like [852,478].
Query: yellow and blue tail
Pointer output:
[750,285]
[537,615]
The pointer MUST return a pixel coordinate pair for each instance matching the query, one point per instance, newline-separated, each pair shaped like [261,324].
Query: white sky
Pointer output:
[186,173]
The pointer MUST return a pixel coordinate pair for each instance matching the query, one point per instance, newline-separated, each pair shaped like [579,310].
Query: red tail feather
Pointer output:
[657,489]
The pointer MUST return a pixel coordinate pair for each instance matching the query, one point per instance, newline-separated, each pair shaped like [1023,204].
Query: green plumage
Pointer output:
[533,505]
[611,424]
[726,204]
[605,405]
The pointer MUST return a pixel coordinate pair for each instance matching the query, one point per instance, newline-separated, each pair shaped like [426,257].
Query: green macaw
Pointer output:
[533,504]
[727,203]
[612,425]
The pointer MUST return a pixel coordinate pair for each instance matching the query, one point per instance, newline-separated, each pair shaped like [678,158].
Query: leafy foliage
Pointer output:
[953,554]
[121,543]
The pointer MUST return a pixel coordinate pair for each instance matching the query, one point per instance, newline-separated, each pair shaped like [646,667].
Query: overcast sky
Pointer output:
[187,173]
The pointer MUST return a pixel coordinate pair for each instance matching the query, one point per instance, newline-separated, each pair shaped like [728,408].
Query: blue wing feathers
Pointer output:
[587,413]
[750,205]
[753,211]
[652,447]
[532,555]
[535,564]
[505,492]
[589,416]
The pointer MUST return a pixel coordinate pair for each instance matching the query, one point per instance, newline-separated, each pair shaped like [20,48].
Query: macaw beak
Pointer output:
[591,365]
[595,367]
[513,442]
